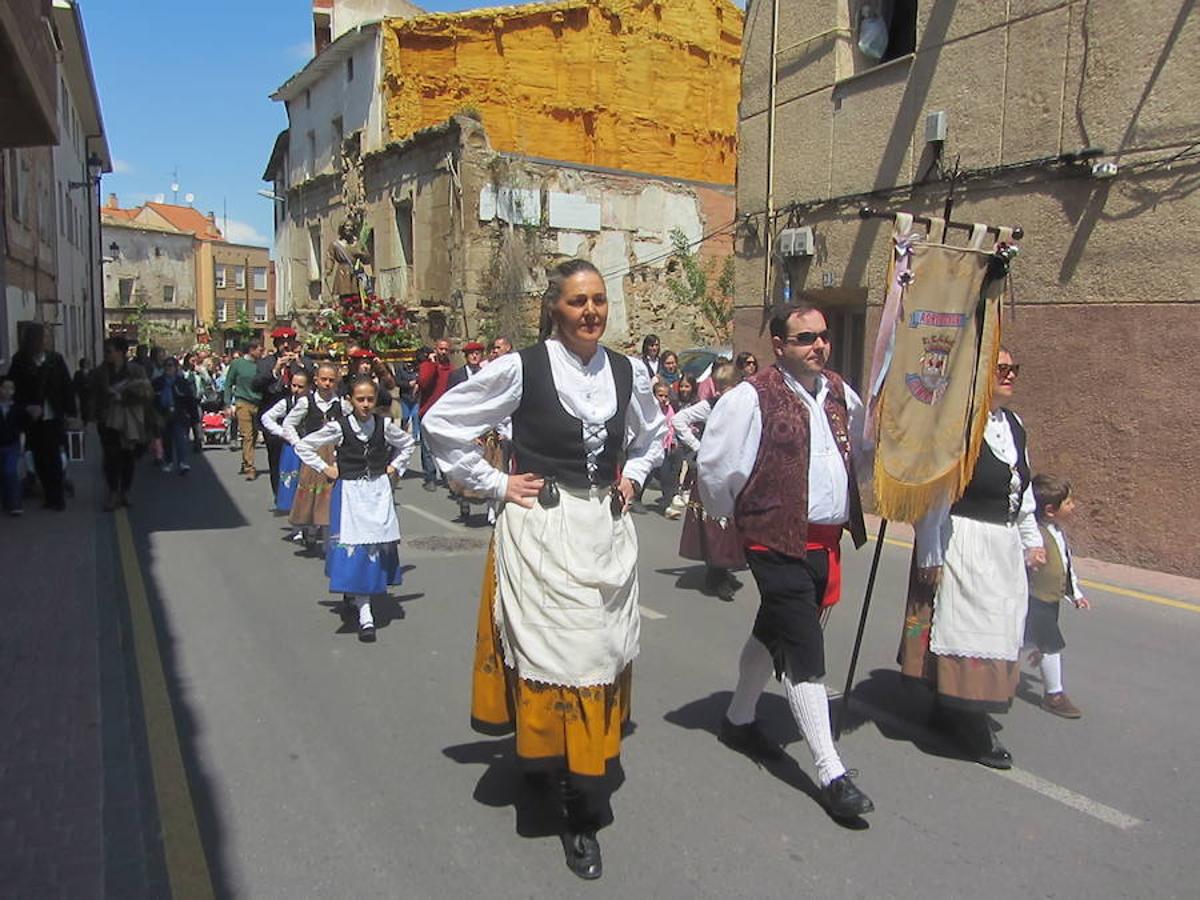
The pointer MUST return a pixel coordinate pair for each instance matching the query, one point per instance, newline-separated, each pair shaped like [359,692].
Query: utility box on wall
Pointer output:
[796,242]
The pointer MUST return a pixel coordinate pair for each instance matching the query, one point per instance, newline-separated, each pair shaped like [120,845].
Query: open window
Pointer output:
[886,29]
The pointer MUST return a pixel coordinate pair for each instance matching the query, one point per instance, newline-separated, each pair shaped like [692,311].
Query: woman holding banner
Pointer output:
[965,616]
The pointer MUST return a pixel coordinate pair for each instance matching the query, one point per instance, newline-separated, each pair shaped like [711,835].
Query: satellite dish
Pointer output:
[175,187]
[189,198]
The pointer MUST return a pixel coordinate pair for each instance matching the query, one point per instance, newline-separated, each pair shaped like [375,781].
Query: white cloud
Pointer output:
[121,167]
[242,233]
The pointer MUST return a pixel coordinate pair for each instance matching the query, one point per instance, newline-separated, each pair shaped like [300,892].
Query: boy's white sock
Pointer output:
[1052,672]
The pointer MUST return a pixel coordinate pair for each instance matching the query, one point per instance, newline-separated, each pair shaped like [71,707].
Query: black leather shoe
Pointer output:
[583,854]
[749,739]
[366,634]
[995,755]
[844,800]
[979,742]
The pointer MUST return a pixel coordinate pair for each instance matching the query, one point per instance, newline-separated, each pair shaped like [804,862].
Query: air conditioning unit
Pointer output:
[796,242]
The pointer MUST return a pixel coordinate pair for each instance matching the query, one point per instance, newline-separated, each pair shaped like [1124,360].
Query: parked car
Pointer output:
[698,361]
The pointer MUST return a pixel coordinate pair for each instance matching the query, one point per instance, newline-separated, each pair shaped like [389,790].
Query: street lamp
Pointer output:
[271,195]
[95,166]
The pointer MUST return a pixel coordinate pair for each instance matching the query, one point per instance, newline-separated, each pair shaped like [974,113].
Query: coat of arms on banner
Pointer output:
[929,384]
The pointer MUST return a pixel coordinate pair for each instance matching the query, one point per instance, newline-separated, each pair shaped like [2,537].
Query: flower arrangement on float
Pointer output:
[382,324]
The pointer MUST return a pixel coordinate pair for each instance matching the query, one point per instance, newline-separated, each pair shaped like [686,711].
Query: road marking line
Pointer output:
[648,613]
[1094,808]
[1087,582]
[187,865]
[436,518]
[1140,595]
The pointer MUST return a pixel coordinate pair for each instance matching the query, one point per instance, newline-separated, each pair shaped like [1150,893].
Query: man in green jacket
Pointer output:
[243,400]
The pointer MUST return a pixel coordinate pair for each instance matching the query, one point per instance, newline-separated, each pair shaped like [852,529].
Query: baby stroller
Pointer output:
[213,421]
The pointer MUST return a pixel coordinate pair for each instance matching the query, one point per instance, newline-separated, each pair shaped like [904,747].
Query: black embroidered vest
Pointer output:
[362,459]
[987,497]
[547,440]
[314,419]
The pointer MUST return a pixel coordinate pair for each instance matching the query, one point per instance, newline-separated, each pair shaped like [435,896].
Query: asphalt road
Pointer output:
[322,767]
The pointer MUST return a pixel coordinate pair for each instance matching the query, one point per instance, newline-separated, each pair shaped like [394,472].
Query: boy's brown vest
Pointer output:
[1049,583]
[772,509]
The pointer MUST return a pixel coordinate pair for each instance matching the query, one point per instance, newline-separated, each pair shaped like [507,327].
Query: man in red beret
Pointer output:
[473,351]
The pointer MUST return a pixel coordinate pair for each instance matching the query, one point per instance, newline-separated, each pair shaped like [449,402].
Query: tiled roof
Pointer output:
[187,218]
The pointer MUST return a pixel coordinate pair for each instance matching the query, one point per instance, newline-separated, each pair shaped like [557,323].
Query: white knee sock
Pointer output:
[363,602]
[810,707]
[754,671]
[1052,672]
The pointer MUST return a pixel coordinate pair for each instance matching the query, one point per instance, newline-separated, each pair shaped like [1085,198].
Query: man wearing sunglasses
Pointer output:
[777,456]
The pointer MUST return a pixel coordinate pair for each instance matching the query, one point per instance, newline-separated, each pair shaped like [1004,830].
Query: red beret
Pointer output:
[361,353]
[472,346]
[283,332]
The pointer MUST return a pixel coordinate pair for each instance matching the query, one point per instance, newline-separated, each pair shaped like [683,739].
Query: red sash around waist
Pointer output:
[829,539]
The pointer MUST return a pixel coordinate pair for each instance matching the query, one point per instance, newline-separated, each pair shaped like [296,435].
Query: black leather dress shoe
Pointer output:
[583,854]
[996,755]
[844,800]
[749,739]
[366,634]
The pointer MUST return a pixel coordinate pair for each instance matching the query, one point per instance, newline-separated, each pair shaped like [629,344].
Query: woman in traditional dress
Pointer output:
[968,588]
[558,618]
[310,505]
[364,531]
[714,542]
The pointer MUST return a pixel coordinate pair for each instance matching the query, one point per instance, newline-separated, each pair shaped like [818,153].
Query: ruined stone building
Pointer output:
[1075,120]
[474,150]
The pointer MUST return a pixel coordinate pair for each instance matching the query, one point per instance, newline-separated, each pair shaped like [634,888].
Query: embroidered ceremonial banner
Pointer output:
[933,371]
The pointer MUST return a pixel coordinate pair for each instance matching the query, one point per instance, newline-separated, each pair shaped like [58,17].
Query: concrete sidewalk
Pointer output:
[76,803]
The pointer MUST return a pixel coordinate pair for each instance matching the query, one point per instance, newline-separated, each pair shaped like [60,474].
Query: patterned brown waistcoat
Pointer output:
[772,509]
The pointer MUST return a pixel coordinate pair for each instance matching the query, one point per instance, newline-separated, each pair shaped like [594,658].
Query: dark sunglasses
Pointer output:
[1003,370]
[807,338]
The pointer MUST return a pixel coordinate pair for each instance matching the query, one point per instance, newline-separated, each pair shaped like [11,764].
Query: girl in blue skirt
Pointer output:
[364,532]
[289,462]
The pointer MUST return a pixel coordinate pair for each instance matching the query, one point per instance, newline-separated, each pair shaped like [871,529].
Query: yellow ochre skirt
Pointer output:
[578,729]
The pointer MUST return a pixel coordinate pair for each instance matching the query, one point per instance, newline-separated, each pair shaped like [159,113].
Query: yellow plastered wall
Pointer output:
[641,85]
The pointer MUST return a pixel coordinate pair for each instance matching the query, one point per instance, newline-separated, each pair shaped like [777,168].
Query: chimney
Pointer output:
[322,25]
[112,202]
[212,218]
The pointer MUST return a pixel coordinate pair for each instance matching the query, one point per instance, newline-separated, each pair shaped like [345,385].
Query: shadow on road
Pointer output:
[386,608]
[195,503]
[506,782]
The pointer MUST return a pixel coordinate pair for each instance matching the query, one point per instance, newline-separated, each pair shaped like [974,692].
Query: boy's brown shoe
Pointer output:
[1060,704]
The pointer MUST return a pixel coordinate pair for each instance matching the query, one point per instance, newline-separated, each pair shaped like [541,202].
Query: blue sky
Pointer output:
[184,86]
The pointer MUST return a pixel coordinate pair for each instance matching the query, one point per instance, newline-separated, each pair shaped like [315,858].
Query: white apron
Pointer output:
[979,609]
[369,512]
[567,590]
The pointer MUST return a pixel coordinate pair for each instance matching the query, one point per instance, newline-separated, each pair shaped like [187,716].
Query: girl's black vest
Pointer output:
[362,459]
[314,418]
[986,498]
[547,440]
